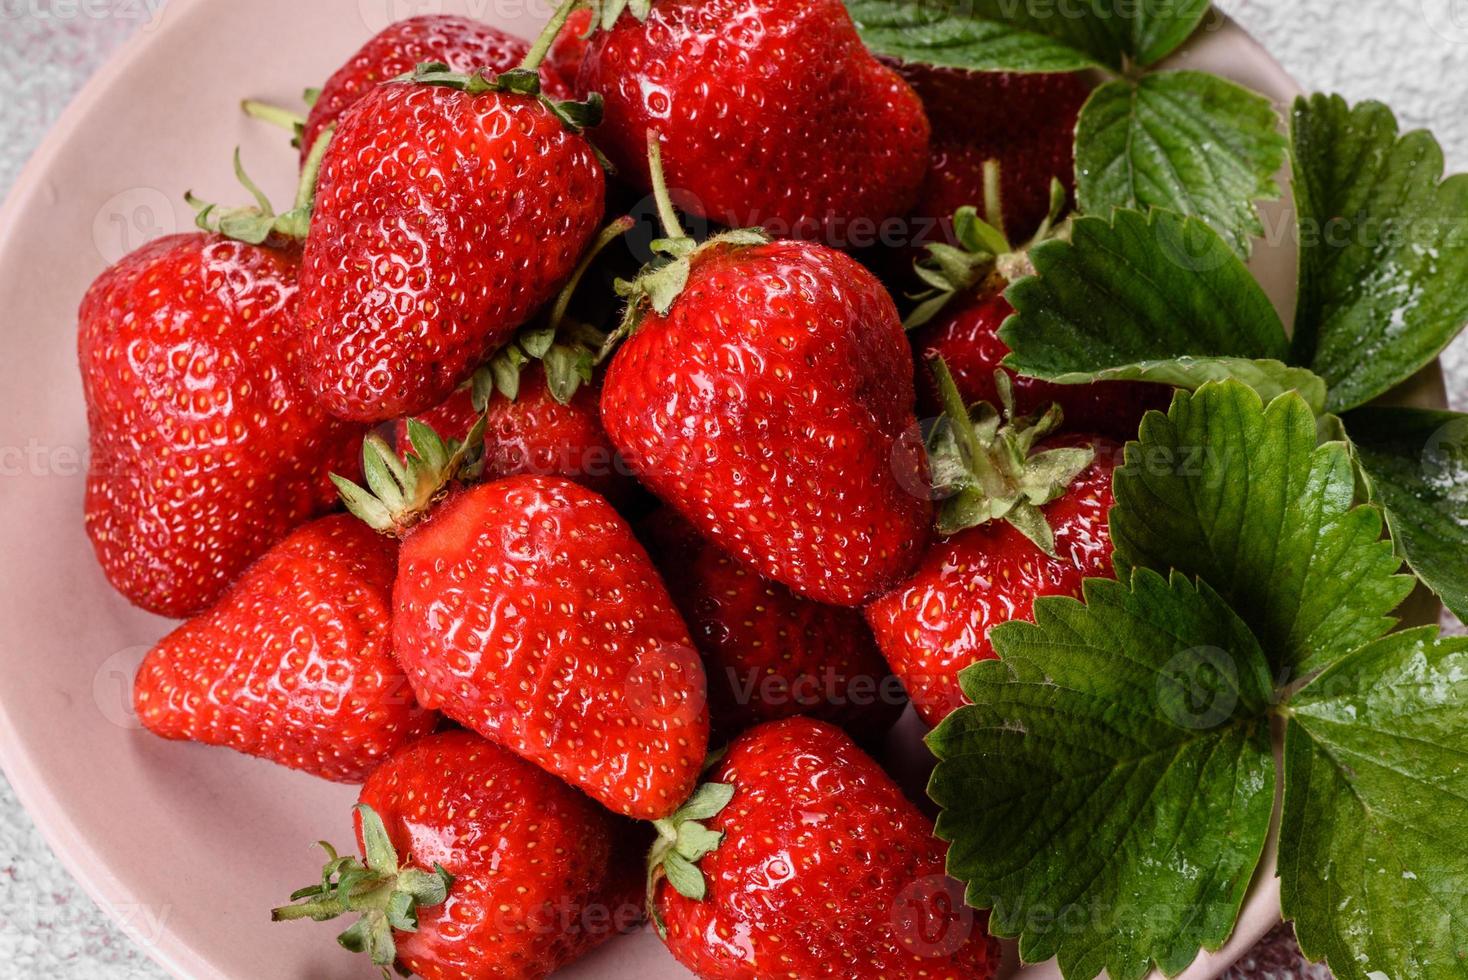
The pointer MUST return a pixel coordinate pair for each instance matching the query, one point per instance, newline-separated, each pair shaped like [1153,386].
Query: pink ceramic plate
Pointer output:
[187,846]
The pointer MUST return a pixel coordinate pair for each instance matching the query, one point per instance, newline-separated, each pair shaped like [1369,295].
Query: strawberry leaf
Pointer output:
[1156,297]
[1383,248]
[1372,865]
[1025,35]
[1109,792]
[1416,467]
[1241,496]
[1183,140]
[1269,378]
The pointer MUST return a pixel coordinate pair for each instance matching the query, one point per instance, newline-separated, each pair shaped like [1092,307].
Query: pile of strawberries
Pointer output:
[624,547]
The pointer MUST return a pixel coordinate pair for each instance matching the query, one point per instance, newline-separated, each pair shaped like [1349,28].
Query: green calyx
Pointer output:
[258,223]
[983,251]
[682,842]
[663,279]
[983,460]
[575,116]
[568,354]
[400,490]
[386,894]
[566,348]
[608,11]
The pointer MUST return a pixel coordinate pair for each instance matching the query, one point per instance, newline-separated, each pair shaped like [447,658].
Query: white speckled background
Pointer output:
[1412,54]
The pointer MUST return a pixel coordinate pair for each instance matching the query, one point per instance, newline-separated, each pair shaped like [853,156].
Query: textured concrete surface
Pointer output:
[1412,54]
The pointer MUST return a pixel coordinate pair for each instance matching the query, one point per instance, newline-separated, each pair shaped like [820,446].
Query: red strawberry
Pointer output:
[534,433]
[959,319]
[450,208]
[966,335]
[766,394]
[295,663]
[1018,531]
[569,49]
[767,652]
[476,865]
[809,862]
[525,610]
[205,447]
[1023,122]
[772,111]
[464,45]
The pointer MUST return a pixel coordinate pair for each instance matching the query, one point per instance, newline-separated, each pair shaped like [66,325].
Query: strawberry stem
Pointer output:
[993,196]
[311,171]
[296,223]
[291,122]
[542,45]
[667,214]
[662,280]
[609,234]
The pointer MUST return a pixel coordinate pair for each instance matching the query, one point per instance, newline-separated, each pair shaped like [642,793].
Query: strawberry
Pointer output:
[1023,125]
[464,45]
[206,448]
[765,392]
[450,207]
[801,858]
[1018,526]
[476,865]
[967,336]
[773,112]
[960,318]
[569,48]
[534,433]
[294,664]
[526,610]
[767,652]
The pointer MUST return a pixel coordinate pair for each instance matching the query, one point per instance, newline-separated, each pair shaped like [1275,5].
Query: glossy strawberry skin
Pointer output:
[966,336]
[770,112]
[852,889]
[295,663]
[206,448]
[938,622]
[443,220]
[465,45]
[1025,121]
[536,435]
[768,653]
[538,877]
[773,408]
[526,611]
